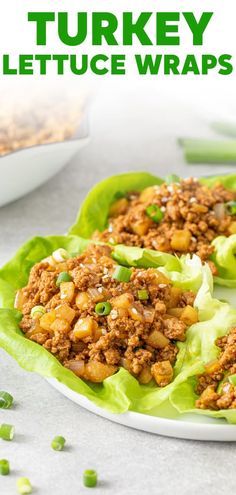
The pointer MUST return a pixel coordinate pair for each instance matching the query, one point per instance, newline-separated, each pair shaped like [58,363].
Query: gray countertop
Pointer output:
[128,461]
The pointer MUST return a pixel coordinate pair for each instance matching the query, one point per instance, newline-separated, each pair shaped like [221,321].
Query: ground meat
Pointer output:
[188,209]
[211,395]
[136,333]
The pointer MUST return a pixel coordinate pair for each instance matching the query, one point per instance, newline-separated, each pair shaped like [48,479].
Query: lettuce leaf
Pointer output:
[94,211]
[121,392]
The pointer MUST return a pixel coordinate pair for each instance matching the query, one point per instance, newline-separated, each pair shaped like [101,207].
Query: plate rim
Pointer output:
[208,430]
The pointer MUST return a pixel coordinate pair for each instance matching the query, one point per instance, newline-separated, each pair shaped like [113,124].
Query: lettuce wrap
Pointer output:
[93,215]
[120,392]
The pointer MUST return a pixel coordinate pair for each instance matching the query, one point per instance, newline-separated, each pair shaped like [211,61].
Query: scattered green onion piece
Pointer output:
[37,312]
[172,179]
[231,206]
[122,274]
[7,432]
[90,478]
[143,295]
[232,380]
[58,443]
[205,151]
[63,277]
[24,486]
[155,213]
[103,308]
[6,400]
[60,255]
[226,128]
[4,467]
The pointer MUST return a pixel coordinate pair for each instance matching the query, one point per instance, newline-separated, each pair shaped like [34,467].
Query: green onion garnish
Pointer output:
[172,179]
[63,277]
[24,486]
[58,443]
[4,467]
[103,308]
[6,400]
[205,151]
[90,478]
[37,312]
[232,379]
[155,213]
[122,274]
[7,432]
[231,206]
[60,255]
[143,295]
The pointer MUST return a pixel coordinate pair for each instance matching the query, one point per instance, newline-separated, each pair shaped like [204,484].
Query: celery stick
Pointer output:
[206,151]
[225,128]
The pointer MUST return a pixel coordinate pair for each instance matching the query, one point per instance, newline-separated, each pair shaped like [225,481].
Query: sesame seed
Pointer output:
[113,314]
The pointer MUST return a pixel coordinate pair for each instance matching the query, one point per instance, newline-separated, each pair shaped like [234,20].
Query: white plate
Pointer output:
[188,426]
[24,170]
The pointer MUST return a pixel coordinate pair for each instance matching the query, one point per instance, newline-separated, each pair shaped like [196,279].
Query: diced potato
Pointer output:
[145,376]
[65,312]
[213,367]
[141,227]
[175,294]
[181,240]
[147,195]
[124,301]
[177,312]
[162,372]
[82,301]
[47,320]
[97,372]
[157,340]
[135,313]
[60,325]
[232,228]
[20,300]
[160,278]
[189,316]
[67,291]
[84,327]
[35,330]
[119,207]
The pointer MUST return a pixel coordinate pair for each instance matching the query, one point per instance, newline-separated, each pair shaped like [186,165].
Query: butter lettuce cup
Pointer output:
[172,215]
[123,326]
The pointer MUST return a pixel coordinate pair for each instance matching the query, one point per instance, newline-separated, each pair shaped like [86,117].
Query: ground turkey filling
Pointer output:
[147,316]
[214,386]
[193,215]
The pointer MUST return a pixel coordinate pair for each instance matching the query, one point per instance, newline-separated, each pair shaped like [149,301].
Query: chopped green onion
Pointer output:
[37,312]
[232,379]
[226,128]
[24,486]
[103,308]
[231,206]
[143,295]
[155,213]
[90,478]
[63,277]
[204,151]
[7,432]
[4,467]
[60,255]
[58,443]
[122,274]
[6,400]
[172,179]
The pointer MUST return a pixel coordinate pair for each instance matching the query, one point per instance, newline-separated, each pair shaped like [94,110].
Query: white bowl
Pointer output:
[24,170]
